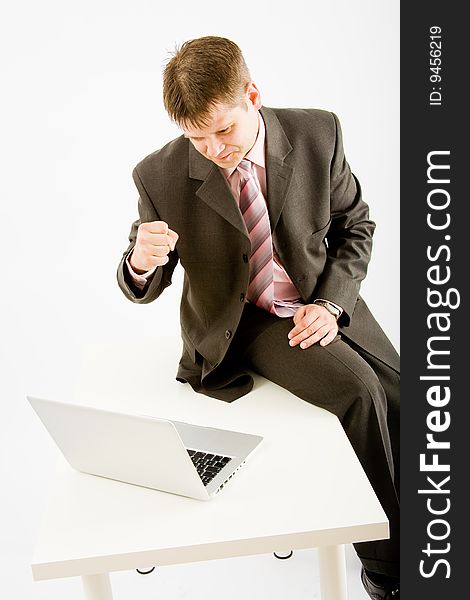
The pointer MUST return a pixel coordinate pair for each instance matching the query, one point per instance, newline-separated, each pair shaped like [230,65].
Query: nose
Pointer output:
[214,148]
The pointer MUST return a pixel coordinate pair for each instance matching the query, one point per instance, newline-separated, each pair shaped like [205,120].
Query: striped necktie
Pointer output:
[255,213]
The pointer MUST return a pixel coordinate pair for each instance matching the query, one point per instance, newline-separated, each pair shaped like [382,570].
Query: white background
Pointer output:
[81,105]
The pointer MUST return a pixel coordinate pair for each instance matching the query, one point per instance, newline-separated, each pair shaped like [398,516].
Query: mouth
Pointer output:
[226,156]
[223,159]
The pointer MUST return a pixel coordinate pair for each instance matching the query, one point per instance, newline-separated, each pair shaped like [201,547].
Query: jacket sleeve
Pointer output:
[162,276]
[349,237]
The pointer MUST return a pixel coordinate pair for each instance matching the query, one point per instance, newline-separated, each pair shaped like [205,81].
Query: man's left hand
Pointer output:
[313,323]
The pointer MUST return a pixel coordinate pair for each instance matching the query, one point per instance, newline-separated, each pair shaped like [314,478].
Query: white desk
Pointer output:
[302,488]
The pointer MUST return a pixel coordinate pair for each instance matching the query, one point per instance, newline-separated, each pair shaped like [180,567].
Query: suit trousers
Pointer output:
[361,390]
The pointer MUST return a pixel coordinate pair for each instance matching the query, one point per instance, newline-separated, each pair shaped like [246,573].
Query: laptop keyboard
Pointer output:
[208,465]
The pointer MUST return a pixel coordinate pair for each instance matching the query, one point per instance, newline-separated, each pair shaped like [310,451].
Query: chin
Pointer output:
[236,158]
[232,163]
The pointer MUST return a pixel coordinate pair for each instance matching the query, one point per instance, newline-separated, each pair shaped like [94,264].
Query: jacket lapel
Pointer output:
[215,191]
[278,172]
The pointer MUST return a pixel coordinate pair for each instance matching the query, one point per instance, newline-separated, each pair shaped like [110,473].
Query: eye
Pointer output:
[226,130]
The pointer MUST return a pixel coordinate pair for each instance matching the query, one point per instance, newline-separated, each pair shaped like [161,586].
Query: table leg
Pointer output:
[333,573]
[97,587]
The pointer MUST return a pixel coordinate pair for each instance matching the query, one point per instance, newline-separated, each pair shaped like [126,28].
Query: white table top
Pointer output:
[303,487]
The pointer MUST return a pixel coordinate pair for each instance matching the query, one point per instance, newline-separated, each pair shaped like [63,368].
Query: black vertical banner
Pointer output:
[435,197]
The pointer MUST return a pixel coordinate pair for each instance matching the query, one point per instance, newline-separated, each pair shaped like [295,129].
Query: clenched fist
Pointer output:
[154,242]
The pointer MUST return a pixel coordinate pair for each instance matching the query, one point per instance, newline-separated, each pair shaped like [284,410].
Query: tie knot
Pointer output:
[245,167]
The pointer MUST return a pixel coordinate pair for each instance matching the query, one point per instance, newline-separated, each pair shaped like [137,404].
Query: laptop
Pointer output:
[166,455]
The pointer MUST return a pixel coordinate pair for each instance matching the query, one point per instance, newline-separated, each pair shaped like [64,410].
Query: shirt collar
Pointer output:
[256,153]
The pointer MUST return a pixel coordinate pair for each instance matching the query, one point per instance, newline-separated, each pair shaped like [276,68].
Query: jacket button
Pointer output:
[245,258]
[228,334]
[242,297]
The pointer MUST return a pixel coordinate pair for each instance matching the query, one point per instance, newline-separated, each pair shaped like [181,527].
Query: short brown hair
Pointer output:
[200,74]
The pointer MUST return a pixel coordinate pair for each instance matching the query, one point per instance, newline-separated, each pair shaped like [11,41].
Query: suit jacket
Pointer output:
[320,227]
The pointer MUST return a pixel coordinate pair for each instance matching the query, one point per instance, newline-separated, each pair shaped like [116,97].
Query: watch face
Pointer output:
[330,308]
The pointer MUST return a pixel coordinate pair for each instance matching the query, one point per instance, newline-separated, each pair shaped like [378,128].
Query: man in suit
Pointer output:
[260,207]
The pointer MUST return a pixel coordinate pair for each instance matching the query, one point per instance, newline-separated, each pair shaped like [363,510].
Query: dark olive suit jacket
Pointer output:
[320,226]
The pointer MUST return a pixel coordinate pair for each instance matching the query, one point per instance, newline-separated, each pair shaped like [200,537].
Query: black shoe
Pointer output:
[389,591]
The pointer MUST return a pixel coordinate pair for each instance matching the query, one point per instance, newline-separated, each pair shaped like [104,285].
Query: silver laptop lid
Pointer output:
[135,449]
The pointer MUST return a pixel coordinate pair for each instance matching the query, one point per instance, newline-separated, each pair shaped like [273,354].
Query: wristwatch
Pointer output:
[330,307]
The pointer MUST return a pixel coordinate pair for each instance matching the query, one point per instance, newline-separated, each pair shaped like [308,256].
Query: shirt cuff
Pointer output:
[142,279]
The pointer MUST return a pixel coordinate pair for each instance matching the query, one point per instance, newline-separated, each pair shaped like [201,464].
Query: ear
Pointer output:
[253,95]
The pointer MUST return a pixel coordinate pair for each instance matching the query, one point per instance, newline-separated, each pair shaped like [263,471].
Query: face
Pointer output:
[231,132]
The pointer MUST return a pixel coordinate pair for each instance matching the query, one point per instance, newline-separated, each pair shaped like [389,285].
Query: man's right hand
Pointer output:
[154,242]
